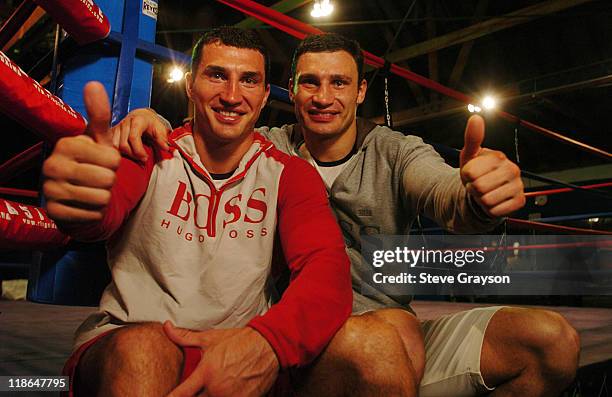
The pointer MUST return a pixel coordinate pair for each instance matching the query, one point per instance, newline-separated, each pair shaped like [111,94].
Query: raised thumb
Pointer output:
[98,113]
[473,138]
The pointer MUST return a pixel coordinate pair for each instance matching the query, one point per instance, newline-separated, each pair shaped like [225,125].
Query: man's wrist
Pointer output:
[263,346]
[480,212]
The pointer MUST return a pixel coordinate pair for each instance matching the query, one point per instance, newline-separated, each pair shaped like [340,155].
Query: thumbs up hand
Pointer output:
[493,180]
[80,173]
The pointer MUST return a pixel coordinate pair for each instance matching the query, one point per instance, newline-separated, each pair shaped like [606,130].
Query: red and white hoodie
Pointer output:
[186,248]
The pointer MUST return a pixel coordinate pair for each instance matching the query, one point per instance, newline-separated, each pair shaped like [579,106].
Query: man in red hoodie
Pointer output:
[190,239]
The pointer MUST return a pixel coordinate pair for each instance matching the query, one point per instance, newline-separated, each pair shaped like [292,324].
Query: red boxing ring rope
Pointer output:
[20,162]
[585,244]
[566,189]
[18,192]
[301,30]
[523,224]
[555,135]
[24,226]
[528,247]
[25,100]
[27,227]
[82,19]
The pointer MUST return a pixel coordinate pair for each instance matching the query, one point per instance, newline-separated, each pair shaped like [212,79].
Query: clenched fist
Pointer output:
[493,180]
[80,173]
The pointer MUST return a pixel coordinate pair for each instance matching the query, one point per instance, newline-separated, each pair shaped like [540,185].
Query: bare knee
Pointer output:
[556,343]
[543,339]
[409,329]
[374,352]
[140,352]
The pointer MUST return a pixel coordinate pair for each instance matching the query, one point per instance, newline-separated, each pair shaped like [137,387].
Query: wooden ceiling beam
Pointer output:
[36,15]
[492,25]
[565,110]
[384,6]
[466,48]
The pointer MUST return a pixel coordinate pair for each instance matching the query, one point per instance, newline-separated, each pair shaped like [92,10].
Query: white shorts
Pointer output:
[452,348]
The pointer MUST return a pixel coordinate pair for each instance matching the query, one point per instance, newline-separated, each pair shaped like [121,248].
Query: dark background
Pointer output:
[550,68]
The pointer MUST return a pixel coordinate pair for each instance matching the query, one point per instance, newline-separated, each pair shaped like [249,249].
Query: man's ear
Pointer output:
[361,91]
[188,84]
[291,88]
[267,95]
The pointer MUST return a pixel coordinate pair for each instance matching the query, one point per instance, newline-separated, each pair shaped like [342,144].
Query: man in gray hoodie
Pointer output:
[378,181]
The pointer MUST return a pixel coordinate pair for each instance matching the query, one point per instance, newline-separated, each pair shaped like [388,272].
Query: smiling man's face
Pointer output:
[326,92]
[229,90]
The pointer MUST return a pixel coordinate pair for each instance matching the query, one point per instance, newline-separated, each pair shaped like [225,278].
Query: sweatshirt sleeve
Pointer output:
[435,188]
[319,297]
[132,179]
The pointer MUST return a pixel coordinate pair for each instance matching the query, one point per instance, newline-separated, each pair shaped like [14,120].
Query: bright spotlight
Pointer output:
[321,8]
[176,74]
[489,102]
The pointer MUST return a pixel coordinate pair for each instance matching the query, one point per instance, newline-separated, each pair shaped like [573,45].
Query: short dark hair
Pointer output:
[233,37]
[329,42]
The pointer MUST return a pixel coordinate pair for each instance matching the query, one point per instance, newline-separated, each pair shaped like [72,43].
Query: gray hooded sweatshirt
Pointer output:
[389,181]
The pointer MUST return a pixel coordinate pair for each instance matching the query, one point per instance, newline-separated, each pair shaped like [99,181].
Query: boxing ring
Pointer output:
[62,268]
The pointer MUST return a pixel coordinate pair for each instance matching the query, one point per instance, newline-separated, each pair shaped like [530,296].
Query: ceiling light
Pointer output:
[321,8]
[489,102]
[176,74]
